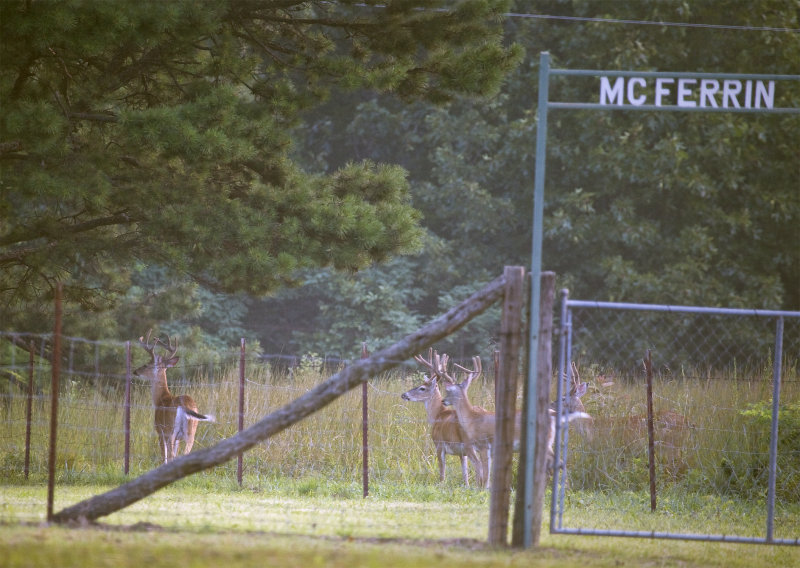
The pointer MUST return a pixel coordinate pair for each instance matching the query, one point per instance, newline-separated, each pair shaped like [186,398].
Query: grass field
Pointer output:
[301,502]
[288,524]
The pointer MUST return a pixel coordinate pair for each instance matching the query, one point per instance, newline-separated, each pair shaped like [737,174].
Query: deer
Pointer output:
[449,437]
[572,402]
[479,424]
[176,417]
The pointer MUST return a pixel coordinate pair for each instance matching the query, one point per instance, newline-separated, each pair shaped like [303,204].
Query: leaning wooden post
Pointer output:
[505,404]
[364,429]
[29,412]
[241,408]
[293,412]
[543,373]
[51,466]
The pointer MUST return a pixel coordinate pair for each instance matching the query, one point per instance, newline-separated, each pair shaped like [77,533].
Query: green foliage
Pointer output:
[698,209]
[158,134]
[174,136]
[749,477]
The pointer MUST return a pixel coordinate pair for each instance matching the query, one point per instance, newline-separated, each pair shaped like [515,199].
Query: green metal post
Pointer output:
[536,276]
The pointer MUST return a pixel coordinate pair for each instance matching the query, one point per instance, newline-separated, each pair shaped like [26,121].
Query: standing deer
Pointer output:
[176,417]
[479,424]
[572,402]
[447,434]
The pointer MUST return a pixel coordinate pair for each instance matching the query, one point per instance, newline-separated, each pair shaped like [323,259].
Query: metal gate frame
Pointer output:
[562,434]
[544,105]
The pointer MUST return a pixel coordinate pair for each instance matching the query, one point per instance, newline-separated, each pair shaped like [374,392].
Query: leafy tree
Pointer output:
[652,207]
[148,133]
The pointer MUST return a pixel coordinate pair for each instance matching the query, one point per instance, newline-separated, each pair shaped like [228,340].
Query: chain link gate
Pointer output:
[719,374]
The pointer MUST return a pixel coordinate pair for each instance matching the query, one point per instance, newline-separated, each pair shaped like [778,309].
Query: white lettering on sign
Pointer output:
[641,99]
[687,93]
[661,89]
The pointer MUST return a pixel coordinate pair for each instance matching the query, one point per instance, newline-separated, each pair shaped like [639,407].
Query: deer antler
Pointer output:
[473,373]
[145,342]
[576,378]
[441,367]
[421,360]
[173,349]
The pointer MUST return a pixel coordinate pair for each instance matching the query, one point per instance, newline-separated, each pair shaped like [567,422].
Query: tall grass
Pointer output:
[328,444]
[712,436]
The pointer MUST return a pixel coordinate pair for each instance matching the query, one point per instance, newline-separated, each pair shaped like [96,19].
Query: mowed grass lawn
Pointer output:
[199,525]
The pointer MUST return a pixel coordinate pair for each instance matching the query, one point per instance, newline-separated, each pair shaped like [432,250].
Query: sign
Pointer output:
[688,92]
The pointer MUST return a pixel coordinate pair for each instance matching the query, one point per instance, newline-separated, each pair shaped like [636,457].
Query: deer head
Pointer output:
[456,391]
[158,362]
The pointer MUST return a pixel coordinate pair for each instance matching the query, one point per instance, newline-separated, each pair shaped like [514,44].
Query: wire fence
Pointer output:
[712,395]
[91,414]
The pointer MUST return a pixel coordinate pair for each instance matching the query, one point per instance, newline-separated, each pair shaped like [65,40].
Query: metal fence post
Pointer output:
[651,443]
[773,443]
[364,429]
[127,411]
[239,461]
[51,465]
[563,354]
[29,412]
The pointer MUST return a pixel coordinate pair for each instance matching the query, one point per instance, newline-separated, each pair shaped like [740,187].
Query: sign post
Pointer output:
[630,90]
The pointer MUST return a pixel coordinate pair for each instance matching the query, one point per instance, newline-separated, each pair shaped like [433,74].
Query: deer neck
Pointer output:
[434,406]
[159,388]
[478,426]
[464,409]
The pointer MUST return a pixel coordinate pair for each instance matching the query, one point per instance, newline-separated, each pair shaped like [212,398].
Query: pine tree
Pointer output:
[157,133]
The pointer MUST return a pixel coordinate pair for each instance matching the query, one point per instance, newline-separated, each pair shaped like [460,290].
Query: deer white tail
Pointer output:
[197,416]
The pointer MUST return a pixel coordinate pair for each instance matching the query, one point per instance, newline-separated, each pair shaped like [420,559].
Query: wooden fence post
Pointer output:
[505,404]
[543,373]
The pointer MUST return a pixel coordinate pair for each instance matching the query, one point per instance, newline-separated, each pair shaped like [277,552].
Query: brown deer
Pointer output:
[176,417]
[449,438]
[572,402]
[479,424]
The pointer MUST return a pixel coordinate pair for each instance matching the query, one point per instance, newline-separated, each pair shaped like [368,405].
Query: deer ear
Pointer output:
[171,362]
[580,390]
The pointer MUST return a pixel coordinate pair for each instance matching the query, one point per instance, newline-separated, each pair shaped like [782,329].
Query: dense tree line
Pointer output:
[698,209]
[146,159]
[367,168]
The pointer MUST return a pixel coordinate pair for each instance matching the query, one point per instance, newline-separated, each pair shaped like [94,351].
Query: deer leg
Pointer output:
[464,470]
[481,467]
[477,464]
[488,467]
[179,430]
[191,429]
[440,454]
[173,447]
[164,442]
